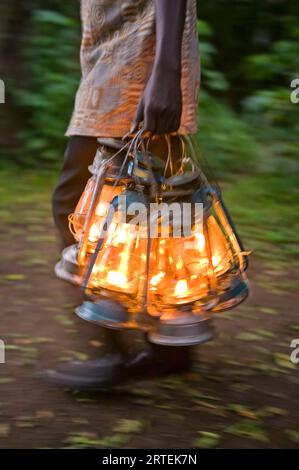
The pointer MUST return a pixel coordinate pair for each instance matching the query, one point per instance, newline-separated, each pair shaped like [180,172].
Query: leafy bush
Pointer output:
[226,141]
[46,100]
[232,139]
[270,109]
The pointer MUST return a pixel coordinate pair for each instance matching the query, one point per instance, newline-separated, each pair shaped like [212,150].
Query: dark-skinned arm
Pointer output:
[160,108]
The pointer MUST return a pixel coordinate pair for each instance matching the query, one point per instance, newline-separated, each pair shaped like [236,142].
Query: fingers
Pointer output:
[156,121]
[139,118]
[175,123]
[150,121]
[162,123]
[168,122]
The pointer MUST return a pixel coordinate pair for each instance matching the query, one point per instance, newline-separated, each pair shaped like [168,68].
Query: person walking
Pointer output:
[140,68]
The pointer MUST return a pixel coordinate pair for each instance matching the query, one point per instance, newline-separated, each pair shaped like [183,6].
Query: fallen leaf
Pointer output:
[6,380]
[128,426]
[4,430]
[96,344]
[64,320]
[249,336]
[269,411]
[292,435]
[44,414]
[208,440]
[15,277]
[284,361]
[248,429]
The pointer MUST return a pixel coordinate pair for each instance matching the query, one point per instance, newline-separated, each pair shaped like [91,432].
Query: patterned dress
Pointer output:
[117,55]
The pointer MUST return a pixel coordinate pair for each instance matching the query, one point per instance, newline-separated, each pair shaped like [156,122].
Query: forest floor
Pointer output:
[242,393]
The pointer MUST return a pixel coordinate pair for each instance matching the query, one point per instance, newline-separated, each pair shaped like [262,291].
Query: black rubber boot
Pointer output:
[117,368]
[97,374]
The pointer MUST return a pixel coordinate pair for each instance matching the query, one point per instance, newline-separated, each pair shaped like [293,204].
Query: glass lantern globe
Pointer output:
[193,276]
[115,277]
[108,180]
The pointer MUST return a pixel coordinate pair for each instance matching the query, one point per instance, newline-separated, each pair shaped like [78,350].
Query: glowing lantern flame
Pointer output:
[201,242]
[179,264]
[116,278]
[181,288]
[123,234]
[94,233]
[102,209]
[156,279]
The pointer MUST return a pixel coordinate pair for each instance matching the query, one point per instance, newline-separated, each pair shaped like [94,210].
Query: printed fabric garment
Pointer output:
[117,55]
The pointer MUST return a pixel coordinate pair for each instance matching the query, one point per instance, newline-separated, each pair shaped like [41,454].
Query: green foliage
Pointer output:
[226,141]
[212,78]
[46,100]
[265,208]
[270,108]
[248,55]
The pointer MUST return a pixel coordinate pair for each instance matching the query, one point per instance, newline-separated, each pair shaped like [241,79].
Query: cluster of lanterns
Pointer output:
[139,263]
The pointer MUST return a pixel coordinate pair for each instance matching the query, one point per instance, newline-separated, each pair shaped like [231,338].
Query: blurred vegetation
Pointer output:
[249,57]
[249,129]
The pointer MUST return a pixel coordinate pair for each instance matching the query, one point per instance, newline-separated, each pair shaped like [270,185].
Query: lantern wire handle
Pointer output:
[130,146]
[94,200]
[193,156]
[184,156]
[71,226]
[212,177]
[169,162]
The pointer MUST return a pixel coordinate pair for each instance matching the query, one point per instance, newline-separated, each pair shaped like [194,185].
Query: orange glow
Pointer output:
[182,269]
[220,249]
[78,218]
[215,261]
[201,242]
[102,209]
[94,233]
[156,279]
[116,278]
[97,219]
[121,260]
[181,288]
[176,274]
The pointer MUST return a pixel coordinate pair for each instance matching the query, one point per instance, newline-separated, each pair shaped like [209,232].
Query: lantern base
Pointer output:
[105,312]
[67,268]
[189,330]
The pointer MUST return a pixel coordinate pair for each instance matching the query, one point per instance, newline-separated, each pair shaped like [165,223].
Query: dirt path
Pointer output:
[243,391]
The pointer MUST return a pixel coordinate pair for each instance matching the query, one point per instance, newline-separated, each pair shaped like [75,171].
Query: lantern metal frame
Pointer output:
[67,268]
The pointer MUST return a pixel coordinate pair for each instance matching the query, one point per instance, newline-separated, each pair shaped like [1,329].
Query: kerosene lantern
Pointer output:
[203,272]
[167,285]
[115,280]
[192,276]
[107,181]
[117,269]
